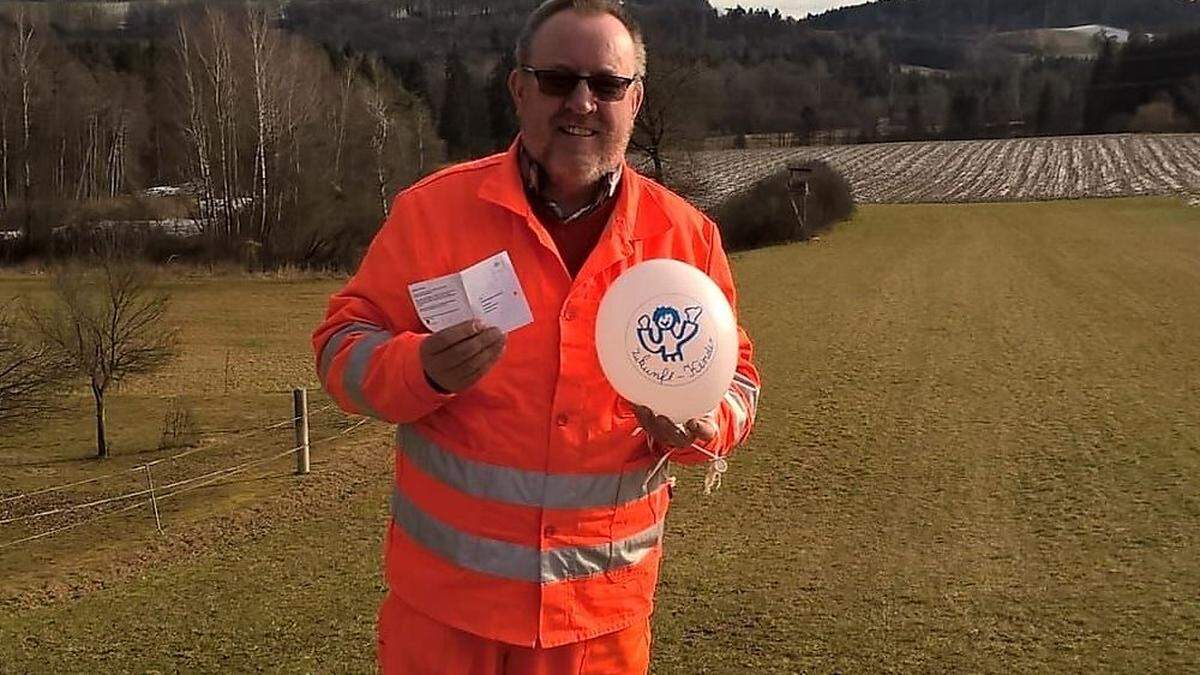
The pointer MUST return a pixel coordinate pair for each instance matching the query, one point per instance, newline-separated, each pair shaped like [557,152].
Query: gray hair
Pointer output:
[614,8]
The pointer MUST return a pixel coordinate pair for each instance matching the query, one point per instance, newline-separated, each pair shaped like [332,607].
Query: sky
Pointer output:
[796,8]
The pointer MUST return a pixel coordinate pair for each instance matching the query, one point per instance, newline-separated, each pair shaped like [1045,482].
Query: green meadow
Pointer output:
[978,449]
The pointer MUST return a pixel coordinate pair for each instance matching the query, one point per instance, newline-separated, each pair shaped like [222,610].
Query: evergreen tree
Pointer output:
[411,72]
[1045,110]
[916,119]
[1099,106]
[454,120]
[964,118]
[501,116]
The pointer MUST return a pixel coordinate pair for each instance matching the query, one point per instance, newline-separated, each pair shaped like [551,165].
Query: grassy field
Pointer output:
[978,450]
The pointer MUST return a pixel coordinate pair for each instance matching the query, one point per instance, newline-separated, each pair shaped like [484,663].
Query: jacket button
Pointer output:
[550,530]
[569,314]
[562,419]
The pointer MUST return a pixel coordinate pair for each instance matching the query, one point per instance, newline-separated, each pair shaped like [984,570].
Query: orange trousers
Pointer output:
[412,644]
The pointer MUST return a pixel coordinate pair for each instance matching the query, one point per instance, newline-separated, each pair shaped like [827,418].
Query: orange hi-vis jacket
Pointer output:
[521,510]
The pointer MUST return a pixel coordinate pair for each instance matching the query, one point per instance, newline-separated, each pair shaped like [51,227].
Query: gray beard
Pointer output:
[598,167]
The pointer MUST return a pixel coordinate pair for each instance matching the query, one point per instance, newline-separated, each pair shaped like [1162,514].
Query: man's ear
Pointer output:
[516,88]
[638,92]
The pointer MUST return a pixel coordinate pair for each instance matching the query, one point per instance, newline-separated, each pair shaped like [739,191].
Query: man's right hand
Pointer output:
[457,357]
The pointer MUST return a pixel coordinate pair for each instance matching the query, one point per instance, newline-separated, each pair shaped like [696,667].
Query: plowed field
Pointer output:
[1022,169]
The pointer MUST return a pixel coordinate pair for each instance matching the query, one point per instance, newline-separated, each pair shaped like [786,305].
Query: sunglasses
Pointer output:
[561,83]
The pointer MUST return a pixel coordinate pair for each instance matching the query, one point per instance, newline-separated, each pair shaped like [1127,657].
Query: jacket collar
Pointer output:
[534,176]
[504,186]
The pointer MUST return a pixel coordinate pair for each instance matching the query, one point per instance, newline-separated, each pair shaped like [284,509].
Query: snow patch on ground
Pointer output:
[1119,34]
[165,191]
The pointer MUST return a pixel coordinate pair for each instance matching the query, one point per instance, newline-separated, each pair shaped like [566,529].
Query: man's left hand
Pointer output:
[665,432]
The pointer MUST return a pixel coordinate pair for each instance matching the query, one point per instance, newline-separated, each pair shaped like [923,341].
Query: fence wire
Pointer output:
[142,467]
[194,483]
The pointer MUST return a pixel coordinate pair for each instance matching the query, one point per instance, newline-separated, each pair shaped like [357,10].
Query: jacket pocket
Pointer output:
[639,512]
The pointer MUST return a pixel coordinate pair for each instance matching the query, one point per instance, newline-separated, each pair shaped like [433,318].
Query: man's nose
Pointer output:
[581,100]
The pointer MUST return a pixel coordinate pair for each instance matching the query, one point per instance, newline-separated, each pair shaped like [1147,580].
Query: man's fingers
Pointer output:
[462,352]
[468,349]
[456,366]
[671,433]
[702,429]
[480,362]
[662,429]
[474,375]
[657,426]
[448,338]
[644,415]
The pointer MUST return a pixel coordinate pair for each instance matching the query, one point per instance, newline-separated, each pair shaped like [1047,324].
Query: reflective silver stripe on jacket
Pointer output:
[356,361]
[334,344]
[521,487]
[514,561]
[742,399]
[737,407]
[749,389]
[356,370]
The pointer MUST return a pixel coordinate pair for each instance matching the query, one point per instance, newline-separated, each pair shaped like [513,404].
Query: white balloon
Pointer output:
[667,339]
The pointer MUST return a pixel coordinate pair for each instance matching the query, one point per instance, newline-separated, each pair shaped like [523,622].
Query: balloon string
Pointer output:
[717,465]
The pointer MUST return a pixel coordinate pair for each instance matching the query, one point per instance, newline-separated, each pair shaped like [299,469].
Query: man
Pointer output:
[526,528]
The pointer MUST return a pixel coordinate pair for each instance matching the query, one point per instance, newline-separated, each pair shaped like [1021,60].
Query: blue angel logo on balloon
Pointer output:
[666,332]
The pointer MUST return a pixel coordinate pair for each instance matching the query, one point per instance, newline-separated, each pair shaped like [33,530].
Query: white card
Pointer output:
[488,290]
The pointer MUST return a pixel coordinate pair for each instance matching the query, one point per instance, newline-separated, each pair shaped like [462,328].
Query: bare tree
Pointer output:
[344,89]
[420,121]
[115,167]
[106,325]
[669,111]
[263,46]
[300,73]
[30,380]
[26,50]
[196,127]
[375,97]
[215,88]
[5,97]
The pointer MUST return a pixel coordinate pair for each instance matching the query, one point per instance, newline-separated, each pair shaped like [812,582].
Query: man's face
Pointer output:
[577,138]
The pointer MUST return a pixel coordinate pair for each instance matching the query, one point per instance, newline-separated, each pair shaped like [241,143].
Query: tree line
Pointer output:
[1148,85]
[286,153]
[289,126]
[744,72]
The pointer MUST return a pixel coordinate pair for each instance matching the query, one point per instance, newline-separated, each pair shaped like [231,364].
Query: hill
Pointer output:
[974,16]
[1072,42]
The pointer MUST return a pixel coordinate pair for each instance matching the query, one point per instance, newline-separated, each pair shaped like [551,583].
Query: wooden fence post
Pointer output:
[153,499]
[798,177]
[300,419]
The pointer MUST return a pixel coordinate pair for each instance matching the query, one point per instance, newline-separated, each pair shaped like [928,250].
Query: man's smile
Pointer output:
[580,132]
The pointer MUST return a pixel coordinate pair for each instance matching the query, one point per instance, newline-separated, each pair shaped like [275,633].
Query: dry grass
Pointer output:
[245,345]
[978,451]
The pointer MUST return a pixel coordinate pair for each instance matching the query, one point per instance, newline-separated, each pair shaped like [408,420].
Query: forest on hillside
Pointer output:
[744,72]
[290,125]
